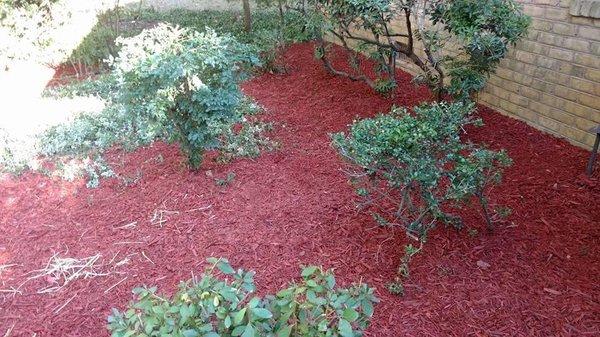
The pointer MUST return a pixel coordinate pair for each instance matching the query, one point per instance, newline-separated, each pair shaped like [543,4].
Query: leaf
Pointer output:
[239,316]
[350,314]
[345,329]
[225,267]
[306,272]
[367,307]
[262,313]
[190,333]
[248,331]
[254,302]
[238,330]
[285,331]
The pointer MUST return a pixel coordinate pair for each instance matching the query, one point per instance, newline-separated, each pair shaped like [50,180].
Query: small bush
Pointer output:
[416,164]
[213,306]
[183,82]
[413,168]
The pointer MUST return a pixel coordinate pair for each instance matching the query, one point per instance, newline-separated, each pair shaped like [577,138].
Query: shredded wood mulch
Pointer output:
[535,275]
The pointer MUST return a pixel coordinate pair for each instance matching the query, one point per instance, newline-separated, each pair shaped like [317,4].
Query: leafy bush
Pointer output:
[412,168]
[462,39]
[420,161]
[212,306]
[183,82]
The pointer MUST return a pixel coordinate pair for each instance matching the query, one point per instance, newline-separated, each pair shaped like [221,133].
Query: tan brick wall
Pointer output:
[551,79]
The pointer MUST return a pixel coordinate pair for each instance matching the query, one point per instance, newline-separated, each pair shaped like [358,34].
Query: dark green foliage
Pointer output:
[417,165]
[213,306]
[183,83]
[412,168]
[485,30]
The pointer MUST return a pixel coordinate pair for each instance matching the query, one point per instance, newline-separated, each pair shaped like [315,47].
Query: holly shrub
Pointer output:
[413,168]
[212,306]
[182,83]
[416,165]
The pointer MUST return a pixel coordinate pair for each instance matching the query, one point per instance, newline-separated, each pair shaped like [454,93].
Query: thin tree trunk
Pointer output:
[247,16]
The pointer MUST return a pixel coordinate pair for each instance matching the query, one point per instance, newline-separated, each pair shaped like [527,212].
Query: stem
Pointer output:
[485,207]
[247,16]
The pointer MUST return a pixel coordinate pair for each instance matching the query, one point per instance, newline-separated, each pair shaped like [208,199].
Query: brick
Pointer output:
[558,14]
[500,92]
[541,85]
[564,29]
[518,99]
[553,101]
[553,76]
[561,54]
[576,44]
[549,123]
[542,25]
[586,8]
[578,20]
[585,86]
[529,92]
[553,113]
[549,38]
[574,133]
[582,111]
[554,64]
[592,61]
[592,33]
[591,74]
[534,11]
[588,100]
[565,93]
[525,56]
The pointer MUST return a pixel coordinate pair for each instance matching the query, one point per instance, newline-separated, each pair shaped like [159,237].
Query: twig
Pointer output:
[199,209]
[65,304]
[128,226]
[147,258]
[8,332]
[114,285]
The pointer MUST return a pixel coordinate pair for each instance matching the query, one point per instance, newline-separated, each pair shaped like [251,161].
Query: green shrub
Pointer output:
[413,168]
[213,306]
[183,82]
[418,161]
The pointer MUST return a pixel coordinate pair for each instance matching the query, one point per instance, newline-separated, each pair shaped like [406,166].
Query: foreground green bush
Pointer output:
[413,168]
[419,162]
[211,306]
[183,83]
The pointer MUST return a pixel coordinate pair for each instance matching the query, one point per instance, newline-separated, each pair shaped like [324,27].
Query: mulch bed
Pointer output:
[294,206]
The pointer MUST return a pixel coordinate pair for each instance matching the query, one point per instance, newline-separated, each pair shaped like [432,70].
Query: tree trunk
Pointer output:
[247,16]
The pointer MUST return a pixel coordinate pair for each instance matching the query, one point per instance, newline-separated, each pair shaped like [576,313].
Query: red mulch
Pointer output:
[67,73]
[294,206]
